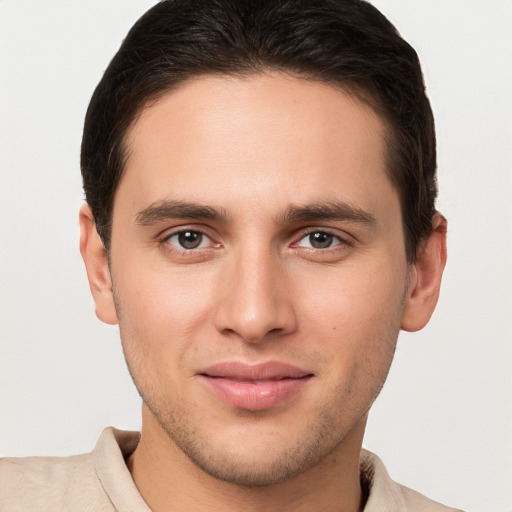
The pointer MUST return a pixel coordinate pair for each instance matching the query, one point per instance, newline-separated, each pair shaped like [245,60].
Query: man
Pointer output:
[260,221]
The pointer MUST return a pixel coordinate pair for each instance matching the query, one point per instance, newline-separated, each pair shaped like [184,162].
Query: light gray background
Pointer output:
[443,421]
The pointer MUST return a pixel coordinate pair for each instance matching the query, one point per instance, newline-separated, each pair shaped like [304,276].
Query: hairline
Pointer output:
[354,90]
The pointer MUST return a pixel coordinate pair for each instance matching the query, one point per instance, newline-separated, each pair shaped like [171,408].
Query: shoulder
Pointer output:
[94,482]
[385,494]
[419,503]
[50,484]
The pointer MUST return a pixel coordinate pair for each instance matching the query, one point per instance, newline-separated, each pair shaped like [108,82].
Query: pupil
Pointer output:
[320,240]
[190,239]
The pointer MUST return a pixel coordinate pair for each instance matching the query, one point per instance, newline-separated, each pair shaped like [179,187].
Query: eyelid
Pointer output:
[164,236]
[342,236]
[345,239]
[203,240]
[169,231]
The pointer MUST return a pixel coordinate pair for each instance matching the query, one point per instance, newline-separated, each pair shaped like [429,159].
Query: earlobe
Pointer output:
[96,264]
[425,277]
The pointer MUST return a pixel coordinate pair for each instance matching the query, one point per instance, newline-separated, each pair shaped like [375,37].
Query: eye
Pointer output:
[319,240]
[189,239]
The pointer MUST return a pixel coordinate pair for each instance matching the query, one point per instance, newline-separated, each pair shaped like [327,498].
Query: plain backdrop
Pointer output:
[442,423]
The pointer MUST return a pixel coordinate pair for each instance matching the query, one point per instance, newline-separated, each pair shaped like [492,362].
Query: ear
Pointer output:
[96,263]
[425,277]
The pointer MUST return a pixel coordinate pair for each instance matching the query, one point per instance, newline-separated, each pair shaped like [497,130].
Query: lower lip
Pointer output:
[255,395]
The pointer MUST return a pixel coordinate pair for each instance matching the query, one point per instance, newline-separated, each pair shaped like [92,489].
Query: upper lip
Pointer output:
[270,370]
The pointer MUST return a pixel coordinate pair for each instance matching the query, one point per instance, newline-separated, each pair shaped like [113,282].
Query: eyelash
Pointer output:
[342,242]
[165,242]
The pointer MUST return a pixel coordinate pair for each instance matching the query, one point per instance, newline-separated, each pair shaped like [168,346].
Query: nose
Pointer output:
[255,299]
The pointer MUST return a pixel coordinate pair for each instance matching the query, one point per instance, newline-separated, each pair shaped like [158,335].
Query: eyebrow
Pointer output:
[328,211]
[165,210]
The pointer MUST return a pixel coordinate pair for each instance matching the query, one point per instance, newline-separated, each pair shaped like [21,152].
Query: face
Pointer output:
[259,271]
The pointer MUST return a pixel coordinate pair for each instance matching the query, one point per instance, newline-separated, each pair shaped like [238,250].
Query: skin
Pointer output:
[258,288]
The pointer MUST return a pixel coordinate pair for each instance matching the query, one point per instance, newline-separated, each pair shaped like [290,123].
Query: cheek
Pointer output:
[355,317]
[353,298]
[160,313]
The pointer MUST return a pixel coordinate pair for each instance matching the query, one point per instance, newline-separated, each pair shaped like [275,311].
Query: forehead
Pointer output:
[268,136]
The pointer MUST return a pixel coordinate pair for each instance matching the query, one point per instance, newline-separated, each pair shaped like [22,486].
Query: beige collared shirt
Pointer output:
[100,482]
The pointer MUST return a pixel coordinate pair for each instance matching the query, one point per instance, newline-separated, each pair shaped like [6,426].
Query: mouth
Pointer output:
[255,387]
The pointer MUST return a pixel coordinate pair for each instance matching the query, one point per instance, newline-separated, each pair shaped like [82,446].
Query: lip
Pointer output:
[254,387]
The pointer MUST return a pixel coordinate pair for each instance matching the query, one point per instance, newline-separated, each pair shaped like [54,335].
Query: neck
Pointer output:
[168,480]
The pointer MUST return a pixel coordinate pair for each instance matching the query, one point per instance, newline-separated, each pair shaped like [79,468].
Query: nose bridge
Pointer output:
[256,299]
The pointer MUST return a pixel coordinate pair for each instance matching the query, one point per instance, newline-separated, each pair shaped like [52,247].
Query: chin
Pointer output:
[254,455]
[263,468]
